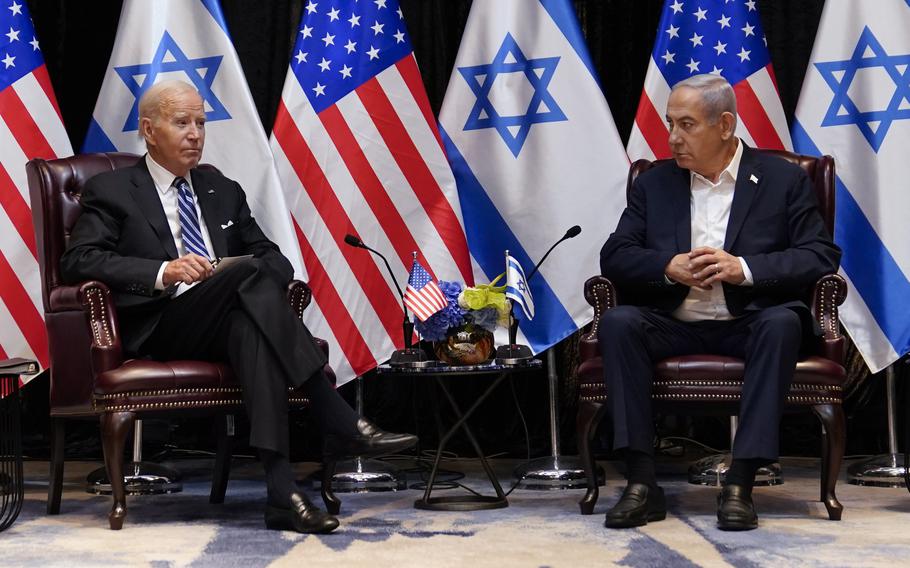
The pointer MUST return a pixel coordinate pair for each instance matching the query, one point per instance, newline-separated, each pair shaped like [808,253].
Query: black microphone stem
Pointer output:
[570,234]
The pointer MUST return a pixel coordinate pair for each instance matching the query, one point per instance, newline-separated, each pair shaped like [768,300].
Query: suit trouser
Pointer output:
[242,316]
[633,338]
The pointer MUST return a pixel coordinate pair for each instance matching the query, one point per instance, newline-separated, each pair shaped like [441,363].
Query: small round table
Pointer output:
[442,374]
[12,488]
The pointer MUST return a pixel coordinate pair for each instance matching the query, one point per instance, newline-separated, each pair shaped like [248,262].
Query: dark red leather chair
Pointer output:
[711,384]
[90,377]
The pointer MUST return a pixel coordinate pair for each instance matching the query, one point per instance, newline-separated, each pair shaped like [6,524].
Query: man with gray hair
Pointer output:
[151,232]
[714,253]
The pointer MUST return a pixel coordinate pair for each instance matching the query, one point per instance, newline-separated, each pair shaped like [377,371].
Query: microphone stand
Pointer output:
[554,471]
[359,475]
[410,356]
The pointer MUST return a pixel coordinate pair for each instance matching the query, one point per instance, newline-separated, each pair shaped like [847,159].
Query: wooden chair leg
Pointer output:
[589,416]
[55,476]
[224,438]
[115,426]
[332,503]
[833,440]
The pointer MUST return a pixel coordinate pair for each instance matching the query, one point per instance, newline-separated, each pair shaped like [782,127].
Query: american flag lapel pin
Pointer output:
[753,178]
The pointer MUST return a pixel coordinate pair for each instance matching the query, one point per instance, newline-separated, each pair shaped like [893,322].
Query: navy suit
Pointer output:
[775,226]
[239,315]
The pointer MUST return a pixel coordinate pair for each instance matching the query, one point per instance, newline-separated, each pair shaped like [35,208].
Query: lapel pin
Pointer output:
[212,191]
[753,179]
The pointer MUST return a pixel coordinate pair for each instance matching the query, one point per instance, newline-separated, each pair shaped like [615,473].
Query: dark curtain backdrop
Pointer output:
[77,38]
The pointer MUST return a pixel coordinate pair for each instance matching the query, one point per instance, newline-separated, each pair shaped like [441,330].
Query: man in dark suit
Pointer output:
[142,234]
[714,253]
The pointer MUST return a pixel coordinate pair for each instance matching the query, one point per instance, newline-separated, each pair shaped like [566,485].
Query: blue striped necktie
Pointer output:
[189,221]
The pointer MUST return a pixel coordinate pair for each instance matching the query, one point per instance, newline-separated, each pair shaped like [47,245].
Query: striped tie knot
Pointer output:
[189,220]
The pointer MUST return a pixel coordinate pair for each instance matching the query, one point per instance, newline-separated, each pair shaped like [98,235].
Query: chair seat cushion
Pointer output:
[146,375]
[717,378]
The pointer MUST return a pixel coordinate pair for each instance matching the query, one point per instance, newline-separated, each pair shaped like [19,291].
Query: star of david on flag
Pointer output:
[187,40]
[32,128]
[722,37]
[875,122]
[534,150]
[170,58]
[542,107]
[854,105]
[517,288]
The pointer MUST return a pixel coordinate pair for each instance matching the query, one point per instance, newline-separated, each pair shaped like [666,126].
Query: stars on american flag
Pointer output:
[20,52]
[341,44]
[723,36]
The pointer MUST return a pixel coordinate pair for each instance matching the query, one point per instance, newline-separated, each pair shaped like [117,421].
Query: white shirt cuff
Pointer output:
[159,280]
[746,272]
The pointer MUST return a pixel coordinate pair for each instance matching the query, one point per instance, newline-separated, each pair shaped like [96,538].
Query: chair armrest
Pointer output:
[94,300]
[299,296]
[830,292]
[600,293]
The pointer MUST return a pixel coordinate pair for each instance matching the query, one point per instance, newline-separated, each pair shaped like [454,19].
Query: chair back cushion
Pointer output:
[55,187]
[820,171]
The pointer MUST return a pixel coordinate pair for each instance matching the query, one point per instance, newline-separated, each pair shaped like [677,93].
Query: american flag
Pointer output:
[710,36]
[423,295]
[358,151]
[30,127]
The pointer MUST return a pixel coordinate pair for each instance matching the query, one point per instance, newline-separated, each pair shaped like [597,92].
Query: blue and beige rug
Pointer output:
[540,528]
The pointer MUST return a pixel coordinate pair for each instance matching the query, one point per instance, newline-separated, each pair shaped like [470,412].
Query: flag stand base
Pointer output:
[512,354]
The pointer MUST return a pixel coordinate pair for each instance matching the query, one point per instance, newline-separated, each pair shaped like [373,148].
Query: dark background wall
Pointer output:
[77,37]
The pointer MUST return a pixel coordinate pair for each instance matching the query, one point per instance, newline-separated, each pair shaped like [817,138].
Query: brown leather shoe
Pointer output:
[735,510]
[303,517]
[638,505]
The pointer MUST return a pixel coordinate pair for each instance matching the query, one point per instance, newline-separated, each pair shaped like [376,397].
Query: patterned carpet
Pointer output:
[539,528]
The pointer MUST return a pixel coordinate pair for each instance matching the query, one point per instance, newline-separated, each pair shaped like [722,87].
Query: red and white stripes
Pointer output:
[371,165]
[30,127]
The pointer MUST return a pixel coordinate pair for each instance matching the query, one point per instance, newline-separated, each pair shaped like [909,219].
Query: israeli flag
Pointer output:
[855,106]
[534,150]
[517,287]
[188,40]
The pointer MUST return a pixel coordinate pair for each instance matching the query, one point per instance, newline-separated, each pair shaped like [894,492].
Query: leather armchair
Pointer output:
[712,384]
[90,376]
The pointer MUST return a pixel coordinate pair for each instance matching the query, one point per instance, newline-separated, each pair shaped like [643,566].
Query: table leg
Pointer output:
[464,502]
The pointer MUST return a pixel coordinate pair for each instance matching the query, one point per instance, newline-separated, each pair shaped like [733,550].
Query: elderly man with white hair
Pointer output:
[714,253]
[151,232]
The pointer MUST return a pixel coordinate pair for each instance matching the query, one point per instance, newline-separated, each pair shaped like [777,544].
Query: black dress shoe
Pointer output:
[370,442]
[735,511]
[638,505]
[303,517]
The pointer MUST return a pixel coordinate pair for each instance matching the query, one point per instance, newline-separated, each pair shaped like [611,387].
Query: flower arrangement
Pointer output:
[482,306]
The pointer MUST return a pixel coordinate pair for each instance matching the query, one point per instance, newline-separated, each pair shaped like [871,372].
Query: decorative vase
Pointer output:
[465,345]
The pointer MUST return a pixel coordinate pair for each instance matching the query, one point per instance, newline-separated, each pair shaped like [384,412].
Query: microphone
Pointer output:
[514,353]
[409,356]
[573,232]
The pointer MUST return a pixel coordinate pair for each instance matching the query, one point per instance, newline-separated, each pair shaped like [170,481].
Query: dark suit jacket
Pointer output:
[774,225]
[122,237]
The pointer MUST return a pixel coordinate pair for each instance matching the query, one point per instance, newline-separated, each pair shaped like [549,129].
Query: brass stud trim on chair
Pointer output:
[165,392]
[98,307]
[170,405]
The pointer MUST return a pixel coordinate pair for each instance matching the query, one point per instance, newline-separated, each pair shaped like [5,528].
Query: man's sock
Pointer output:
[332,413]
[742,471]
[279,478]
[640,468]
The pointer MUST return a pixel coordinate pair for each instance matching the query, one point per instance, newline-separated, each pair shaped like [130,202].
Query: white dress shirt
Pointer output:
[710,205]
[164,183]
